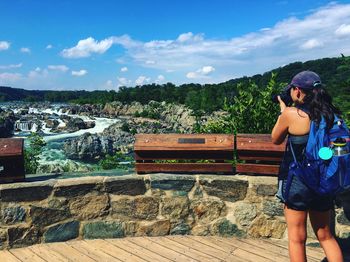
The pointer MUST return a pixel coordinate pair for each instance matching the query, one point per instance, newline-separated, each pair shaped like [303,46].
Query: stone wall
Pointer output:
[149,205]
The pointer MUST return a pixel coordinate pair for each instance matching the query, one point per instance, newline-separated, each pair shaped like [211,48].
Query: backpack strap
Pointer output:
[293,154]
[290,174]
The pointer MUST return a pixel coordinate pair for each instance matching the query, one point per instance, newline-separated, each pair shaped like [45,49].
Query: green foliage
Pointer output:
[32,152]
[125,127]
[116,161]
[252,110]
[150,114]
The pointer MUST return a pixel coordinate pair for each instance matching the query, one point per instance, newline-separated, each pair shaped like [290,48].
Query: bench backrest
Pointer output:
[259,154]
[215,147]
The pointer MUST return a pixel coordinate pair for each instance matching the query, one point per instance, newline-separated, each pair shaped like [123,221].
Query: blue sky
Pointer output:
[97,45]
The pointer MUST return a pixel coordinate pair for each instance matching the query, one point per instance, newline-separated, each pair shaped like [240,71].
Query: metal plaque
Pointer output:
[191,140]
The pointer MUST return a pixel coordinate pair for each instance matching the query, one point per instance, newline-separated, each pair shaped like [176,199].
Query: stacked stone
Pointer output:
[150,205]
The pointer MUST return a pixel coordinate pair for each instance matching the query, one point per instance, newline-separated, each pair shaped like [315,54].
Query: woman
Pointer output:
[311,102]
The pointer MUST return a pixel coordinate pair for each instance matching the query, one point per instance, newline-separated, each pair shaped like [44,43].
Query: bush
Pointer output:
[32,153]
[115,161]
[125,127]
[252,111]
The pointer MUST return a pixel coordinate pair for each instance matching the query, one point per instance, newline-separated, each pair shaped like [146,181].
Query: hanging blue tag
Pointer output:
[325,153]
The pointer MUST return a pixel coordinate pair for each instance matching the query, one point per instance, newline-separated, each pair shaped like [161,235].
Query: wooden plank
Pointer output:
[256,142]
[311,252]
[128,246]
[45,251]
[217,253]
[281,249]
[159,249]
[91,251]
[114,251]
[70,253]
[257,254]
[25,254]
[184,167]
[184,249]
[257,168]
[11,146]
[183,154]
[7,256]
[261,155]
[171,141]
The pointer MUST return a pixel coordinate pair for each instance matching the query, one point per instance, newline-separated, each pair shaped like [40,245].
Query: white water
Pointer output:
[100,124]
[53,152]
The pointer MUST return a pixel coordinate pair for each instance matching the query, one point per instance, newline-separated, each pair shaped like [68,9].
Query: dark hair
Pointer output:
[319,104]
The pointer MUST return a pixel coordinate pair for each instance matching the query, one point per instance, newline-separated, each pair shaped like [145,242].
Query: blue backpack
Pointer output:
[324,176]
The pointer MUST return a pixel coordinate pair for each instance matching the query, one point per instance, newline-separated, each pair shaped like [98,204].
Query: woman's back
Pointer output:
[298,121]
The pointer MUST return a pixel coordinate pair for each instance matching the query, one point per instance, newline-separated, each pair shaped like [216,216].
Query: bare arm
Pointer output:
[280,130]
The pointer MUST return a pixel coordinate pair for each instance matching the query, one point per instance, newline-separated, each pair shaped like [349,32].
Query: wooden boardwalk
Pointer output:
[169,248]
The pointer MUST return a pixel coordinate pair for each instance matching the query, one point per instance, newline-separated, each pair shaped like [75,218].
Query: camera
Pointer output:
[285,96]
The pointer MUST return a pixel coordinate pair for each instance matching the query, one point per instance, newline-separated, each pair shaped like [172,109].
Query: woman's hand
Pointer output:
[282,104]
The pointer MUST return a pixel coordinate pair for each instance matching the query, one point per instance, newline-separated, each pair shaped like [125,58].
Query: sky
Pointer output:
[106,44]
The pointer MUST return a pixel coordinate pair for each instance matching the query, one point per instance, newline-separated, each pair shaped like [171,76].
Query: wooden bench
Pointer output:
[261,156]
[151,149]
[254,153]
[11,160]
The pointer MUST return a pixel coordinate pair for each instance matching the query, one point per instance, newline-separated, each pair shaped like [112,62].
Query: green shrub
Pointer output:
[125,127]
[252,111]
[115,161]
[32,153]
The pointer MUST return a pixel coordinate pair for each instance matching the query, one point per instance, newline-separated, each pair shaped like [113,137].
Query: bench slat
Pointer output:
[176,154]
[257,168]
[257,142]
[184,142]
[184,167]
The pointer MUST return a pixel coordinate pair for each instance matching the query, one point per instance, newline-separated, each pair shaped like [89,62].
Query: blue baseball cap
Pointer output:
[307,80]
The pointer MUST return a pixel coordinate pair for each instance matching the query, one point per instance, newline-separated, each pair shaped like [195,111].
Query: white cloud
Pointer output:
[191,75]
[49,46]
[38,73]
[343,30]
[310,44]
[61,68]
[79,73]
[203,72]
[4,45]
[124,69]
[109,84]
[160,79]
[9,77]
[186,37]
[142,80]
[122,81]
[289,40]
[25,50]
[88,46]
[150,62]
[11,66]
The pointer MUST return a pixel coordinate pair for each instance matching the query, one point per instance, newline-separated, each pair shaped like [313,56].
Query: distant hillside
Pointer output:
[16,94]
[335,73]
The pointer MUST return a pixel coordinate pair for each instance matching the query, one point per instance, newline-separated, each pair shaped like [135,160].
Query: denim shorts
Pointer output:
[302,198]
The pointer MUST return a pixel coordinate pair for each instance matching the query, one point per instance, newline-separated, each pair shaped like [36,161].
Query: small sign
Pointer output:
[191,140]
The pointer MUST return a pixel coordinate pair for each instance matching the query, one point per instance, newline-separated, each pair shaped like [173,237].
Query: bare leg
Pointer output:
[320,222]
[296,224]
